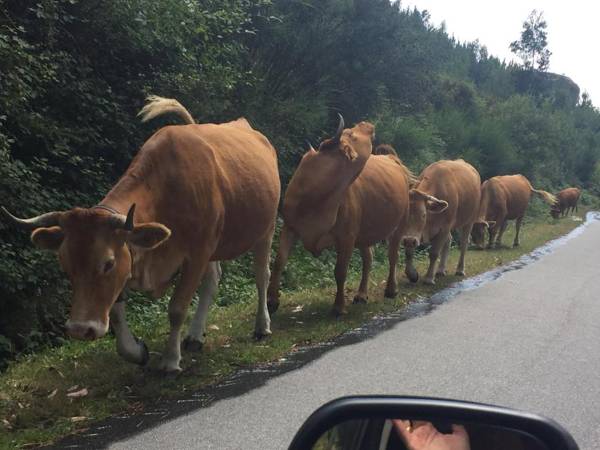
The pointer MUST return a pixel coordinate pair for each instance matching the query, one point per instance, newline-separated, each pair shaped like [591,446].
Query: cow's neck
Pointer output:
[127,192]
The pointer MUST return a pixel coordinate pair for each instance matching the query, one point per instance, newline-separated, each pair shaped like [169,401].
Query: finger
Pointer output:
[459,430]
[403,429]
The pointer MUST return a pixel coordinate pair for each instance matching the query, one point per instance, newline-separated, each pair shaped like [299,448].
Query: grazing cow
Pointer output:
[504,198]
[201,194]
[341,196]
[445,198]
[567,199]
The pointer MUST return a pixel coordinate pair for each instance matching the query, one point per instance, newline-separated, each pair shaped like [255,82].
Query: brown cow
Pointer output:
[566,199]
[504,198]
[445,198]
[341,196]
[201,193]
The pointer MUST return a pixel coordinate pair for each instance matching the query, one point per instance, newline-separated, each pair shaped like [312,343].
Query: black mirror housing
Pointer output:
[545,431]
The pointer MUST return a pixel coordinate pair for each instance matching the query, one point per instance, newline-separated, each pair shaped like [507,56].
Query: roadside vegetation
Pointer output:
[58,390]
[74,74]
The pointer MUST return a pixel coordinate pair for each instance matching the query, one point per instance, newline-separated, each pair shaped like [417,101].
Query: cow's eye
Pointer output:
[109,265]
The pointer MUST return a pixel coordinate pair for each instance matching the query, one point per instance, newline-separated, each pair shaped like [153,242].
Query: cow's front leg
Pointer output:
[191,276]
[391,289]
[441,271]
[344,253]
[128,347]
[465,232]
[196,336]
[286,242]
[437,244]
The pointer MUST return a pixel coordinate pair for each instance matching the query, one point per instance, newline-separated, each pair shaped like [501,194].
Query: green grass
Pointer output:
[35,409]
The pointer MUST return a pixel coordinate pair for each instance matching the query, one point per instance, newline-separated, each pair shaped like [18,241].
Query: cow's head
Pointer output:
[93,248]
[555,212]
[479,231]
[317,187]
[421,205]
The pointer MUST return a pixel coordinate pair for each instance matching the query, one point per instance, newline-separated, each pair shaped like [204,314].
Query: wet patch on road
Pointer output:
[121,427]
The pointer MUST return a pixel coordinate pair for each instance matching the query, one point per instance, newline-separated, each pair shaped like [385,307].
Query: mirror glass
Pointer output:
[407,434]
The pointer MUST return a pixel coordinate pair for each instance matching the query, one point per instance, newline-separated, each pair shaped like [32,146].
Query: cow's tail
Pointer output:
[157,106]
[546,196]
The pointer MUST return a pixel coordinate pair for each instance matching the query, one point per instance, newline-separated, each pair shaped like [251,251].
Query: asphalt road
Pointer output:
[529,340]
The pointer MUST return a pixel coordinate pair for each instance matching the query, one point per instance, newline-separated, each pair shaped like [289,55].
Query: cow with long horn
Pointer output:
[340,196]
[194,195]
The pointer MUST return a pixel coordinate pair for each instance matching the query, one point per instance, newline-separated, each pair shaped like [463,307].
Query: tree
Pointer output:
[532,47]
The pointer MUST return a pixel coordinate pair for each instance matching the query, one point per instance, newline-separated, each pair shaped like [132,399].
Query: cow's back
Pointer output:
[377,201]
[209,181]
[458,183]
[248,183]
[517,193]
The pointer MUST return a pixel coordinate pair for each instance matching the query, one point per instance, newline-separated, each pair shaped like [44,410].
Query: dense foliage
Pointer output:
[74,73]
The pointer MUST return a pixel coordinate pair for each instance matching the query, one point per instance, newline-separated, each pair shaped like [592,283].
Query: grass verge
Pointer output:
[61,390]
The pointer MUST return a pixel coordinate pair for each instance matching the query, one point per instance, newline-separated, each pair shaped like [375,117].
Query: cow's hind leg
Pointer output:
[441,271]
[191,276]
[194,341]
[391,289]
[501,233]
[465,232]
[366,254]
[262,255]
[518,223]
[128,347]
[286,242]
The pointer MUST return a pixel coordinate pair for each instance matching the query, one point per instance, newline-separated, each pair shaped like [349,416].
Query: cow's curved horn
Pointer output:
[340,129]
[124,222]
[129,220]
[49,219]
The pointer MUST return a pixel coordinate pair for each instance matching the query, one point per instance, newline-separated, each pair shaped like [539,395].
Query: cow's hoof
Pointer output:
[390,293]
[260,335]
[169,367]
[272,306]
[516,244]
[460,273]
[441,273]
[412,275]
[191,344]
[359,299]
[429,281]
[138,355]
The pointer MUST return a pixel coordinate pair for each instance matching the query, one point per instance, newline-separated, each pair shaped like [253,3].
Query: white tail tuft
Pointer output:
[157,106]
[546,196]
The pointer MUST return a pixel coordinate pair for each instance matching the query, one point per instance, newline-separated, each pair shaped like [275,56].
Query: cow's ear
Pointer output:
[436,206]
[48,238]
[148,235]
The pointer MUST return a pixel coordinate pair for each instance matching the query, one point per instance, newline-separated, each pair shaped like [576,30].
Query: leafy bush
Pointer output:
[74,73]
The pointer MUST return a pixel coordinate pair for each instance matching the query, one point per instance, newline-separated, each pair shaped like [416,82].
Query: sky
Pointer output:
[573,32]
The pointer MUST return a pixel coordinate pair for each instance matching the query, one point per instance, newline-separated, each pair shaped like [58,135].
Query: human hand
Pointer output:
[424,436]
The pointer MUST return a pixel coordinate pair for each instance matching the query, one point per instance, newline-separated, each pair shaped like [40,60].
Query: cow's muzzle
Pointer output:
[410,242]
[86,330]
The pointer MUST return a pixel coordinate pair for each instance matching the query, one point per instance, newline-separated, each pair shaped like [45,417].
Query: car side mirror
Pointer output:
[413,423]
